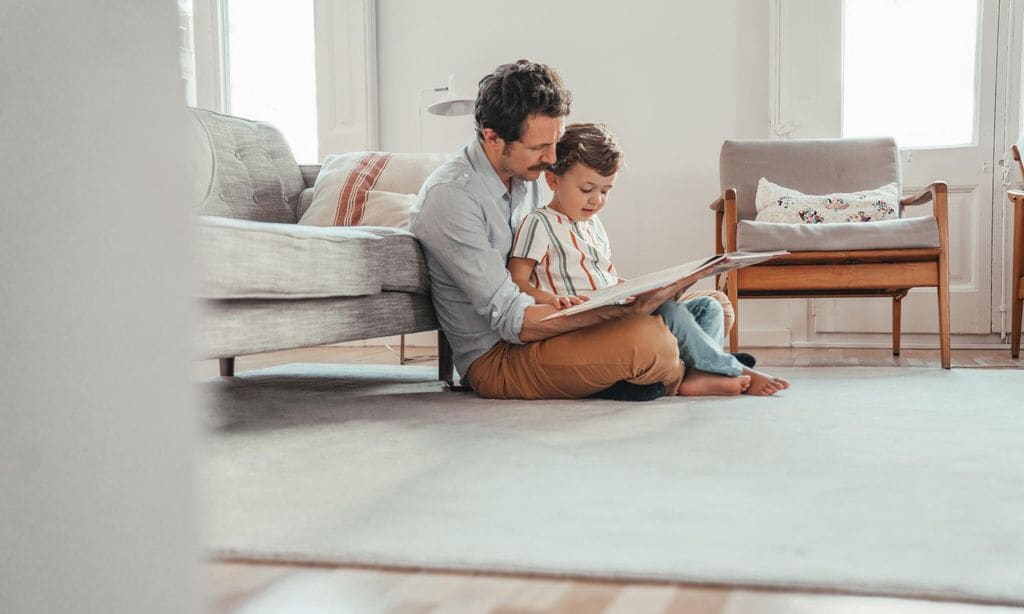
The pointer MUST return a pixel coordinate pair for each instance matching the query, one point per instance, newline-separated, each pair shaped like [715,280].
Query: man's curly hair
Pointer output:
[513,92]
[593,145]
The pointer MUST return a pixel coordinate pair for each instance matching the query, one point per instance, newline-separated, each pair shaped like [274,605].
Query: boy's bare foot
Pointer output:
[701,384]
[762,384]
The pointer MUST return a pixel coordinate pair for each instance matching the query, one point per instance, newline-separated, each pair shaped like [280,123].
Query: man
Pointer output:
[465,217]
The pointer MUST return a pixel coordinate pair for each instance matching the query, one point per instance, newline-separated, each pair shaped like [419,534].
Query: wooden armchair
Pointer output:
[1017,280]
[884,259]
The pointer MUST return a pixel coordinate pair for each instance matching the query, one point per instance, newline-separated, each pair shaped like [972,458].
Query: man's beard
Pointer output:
[532,169]
[524,175]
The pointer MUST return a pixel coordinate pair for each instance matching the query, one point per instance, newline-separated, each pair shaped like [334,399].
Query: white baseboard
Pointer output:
[907,341]
[765,337]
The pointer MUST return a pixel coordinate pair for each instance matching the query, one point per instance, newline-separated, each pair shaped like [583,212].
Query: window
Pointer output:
[270,68]
[308,67]
[881,39]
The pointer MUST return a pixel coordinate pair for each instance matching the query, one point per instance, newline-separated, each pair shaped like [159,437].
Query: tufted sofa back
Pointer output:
[245,169]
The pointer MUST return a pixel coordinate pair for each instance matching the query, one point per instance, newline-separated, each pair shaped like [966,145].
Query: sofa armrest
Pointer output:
[305,200]
[309,173]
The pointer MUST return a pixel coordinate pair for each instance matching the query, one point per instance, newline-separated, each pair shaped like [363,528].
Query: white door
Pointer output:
[926,73]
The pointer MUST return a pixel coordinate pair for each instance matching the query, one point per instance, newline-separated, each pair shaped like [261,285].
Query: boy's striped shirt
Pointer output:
[572,257]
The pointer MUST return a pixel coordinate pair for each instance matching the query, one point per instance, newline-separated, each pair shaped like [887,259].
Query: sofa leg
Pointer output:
[445,360]
[227,367]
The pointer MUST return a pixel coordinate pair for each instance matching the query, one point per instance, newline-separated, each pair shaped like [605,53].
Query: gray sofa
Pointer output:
[266,282]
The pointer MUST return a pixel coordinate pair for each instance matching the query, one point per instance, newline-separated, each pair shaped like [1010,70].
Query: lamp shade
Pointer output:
[451,106]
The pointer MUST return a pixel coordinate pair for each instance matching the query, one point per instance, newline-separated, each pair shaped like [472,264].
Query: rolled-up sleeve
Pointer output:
[453,230]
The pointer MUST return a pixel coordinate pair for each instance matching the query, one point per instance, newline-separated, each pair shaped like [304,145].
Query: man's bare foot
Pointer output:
[701,384]
[762,384]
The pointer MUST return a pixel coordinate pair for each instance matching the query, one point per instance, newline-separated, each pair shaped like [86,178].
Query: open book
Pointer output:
[698,269]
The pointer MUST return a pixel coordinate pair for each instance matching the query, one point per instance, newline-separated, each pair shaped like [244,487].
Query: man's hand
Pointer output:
[644,304]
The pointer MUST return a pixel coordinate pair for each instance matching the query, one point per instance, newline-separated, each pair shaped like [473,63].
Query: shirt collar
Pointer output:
[482,165]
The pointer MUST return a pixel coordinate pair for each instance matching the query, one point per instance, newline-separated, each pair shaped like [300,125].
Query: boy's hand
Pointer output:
[559,301]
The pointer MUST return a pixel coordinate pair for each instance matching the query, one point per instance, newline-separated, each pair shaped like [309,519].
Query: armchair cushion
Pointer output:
[813,166]
[776,203]
[842,236]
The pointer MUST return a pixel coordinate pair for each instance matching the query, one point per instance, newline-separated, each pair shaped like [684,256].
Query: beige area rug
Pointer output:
[894,481]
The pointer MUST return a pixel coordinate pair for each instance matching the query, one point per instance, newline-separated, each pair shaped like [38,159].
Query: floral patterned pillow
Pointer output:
[779,204]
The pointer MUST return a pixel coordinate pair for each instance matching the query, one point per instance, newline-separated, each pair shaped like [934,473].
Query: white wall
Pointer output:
[672,79]
[97,421]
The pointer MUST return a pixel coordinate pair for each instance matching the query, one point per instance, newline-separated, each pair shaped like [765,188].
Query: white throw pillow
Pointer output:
[368,188]
[784,205]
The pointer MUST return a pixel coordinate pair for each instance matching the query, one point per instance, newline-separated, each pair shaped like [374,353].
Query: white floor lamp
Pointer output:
[453,104]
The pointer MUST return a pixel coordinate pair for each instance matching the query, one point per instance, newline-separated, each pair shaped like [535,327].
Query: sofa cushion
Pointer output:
[403,267]
[842,236]
[244,259]
[377,208]
[347,187]
[776,203]
[252,175]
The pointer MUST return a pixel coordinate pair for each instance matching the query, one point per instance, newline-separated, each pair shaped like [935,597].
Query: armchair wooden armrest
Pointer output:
[718,204]
[926,195]
[730,219]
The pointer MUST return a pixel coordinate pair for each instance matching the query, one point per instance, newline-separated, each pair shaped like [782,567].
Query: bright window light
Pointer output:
[909,70]
[271,68]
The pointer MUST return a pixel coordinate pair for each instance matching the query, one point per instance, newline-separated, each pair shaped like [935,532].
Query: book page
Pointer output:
[698,269]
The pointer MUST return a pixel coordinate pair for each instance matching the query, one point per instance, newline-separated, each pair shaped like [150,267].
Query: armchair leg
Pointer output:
[1017,281]
[897,321]
[943,291]
[445,360]
[1015,326]
[734,298]
[227,367]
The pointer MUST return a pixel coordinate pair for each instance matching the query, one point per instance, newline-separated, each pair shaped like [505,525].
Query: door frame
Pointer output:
[822,93]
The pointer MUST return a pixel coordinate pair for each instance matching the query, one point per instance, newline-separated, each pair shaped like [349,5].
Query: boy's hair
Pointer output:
[590,144]
[513,92]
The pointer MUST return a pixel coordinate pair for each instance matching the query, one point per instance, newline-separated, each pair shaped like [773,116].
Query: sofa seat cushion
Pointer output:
[903,233]
[403,266]
[245,259]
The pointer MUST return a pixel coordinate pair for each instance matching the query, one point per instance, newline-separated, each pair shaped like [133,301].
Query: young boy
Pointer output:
[561,252]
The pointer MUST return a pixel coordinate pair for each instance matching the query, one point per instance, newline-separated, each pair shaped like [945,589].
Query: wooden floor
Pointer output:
[254,587]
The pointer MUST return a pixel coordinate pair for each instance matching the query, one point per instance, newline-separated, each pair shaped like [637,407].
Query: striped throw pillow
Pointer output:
[368,188]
